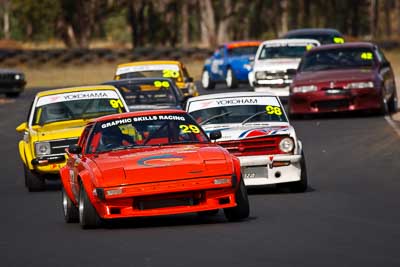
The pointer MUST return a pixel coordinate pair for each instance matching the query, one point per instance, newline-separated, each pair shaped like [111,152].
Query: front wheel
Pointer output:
[242,210]
[88,217]
[71,213]
[33,181]
[206,81]
[230,79]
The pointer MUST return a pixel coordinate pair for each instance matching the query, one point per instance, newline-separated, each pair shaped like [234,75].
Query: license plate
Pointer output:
[255,172]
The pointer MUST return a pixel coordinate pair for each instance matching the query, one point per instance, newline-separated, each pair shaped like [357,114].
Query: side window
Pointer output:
[84,135]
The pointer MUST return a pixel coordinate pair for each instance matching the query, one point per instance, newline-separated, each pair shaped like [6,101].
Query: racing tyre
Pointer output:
[71,212]
[33,182]
[206,81]
[242,210]
[88,217]
[208,213]
[392,104]
[230,79]
[384,109]
[300,186]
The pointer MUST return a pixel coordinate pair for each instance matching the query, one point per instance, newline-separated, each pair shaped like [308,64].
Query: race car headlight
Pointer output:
[42,148]
[261,75]
[286,145]
[360,85]
[304,89]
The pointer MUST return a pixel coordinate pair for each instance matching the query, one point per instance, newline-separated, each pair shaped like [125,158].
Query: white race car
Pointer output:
[276,63]
[255,128]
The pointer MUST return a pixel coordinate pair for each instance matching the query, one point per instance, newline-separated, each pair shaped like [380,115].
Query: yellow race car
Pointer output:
[55,121]
[159,68]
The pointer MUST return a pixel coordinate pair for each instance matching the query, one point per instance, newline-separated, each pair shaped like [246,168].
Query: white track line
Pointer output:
[395,127]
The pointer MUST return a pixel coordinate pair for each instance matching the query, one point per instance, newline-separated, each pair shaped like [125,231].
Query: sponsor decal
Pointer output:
[262,132]
[233,101]
[142,118]
[160,160]
[73,96]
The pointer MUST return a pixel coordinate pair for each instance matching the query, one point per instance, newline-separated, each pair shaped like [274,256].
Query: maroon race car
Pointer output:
[345,77]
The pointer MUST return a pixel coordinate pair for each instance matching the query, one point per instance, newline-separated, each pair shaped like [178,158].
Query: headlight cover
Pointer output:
[261,75]
[42,148]
[304,88]
[286,145]
[360,85]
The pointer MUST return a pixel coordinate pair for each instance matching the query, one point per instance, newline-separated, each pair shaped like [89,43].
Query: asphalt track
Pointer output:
[349,216]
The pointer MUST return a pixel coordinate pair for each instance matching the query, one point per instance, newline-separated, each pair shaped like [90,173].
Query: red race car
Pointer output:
[345,77]
[149,163]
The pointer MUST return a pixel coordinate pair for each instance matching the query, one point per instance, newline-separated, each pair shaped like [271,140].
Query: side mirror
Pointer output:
[74,149]
[22,127]
[188,79]
[214,135]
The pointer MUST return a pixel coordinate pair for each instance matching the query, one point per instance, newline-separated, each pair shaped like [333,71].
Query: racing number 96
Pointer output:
[190,128]
[170,73]
[116,103]
[273,110]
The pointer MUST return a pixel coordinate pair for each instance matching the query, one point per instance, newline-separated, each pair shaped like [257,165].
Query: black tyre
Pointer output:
[71,212]
[206,81]
[300,186]
[13,94]
[242,210]
[207,213]
[33,181]
[230,79]
[392,104]
[88,217]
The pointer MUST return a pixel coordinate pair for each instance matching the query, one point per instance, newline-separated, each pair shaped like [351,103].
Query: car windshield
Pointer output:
[237,110]
[322,38]
[157,70]
[149,92]
[288,51]
[243,51]
[338,59]
[76,105]
[144,131]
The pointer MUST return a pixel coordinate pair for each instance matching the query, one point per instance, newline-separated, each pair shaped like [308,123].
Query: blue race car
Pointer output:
[230,63]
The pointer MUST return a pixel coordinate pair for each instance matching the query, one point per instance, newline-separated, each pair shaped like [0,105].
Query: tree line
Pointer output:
[186,23]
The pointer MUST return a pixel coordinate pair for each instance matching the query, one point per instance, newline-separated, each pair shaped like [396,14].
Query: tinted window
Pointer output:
[290,51]
[243,51]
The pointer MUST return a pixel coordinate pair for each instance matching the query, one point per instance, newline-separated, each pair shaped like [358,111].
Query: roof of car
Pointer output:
[242,43]
[76,89]
[313,31]
[292,41]
[138,80]
[139,113]
[149,62]
[225,95]
[345,45]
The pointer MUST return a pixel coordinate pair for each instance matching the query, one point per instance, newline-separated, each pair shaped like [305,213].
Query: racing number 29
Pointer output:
[190,128]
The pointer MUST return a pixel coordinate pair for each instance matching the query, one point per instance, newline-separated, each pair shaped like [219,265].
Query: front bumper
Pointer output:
[12,86]
[342,100]
[270,169]
[49,164]
[278,91]
[173,197]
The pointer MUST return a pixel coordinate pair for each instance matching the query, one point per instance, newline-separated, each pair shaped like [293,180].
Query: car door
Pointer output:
[386,72]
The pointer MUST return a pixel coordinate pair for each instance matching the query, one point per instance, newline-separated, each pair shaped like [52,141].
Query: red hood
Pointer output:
[158,165]
[343,75]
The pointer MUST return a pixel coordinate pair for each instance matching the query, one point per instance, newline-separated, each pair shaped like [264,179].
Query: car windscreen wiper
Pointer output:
[215,117]
[252,116]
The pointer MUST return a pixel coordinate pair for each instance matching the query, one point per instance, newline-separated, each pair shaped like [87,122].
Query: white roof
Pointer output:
[292,41]
[235,94]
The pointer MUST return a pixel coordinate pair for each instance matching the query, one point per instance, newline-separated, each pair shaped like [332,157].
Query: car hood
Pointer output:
[60,130]
[276,64]
[333,76]
[162,164]
[237,131]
